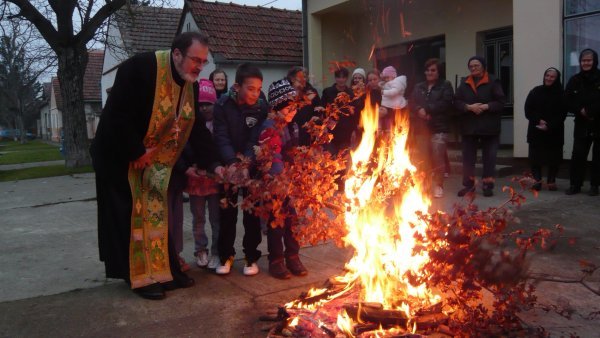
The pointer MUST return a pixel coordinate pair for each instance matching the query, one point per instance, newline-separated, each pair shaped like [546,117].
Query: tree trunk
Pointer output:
[21,127]
[72,62]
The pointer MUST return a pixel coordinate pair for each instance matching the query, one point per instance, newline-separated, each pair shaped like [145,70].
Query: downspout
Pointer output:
[305,34]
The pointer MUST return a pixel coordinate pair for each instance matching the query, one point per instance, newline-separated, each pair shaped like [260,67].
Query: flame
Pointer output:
[383,237]
[344,323]
[385,198]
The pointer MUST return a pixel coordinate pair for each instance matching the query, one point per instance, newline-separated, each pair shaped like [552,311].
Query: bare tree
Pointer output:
[21,65]
[68,26]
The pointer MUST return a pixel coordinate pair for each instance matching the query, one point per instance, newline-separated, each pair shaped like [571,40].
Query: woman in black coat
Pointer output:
[583,98]
[479,101]
[546,112]
[431,107]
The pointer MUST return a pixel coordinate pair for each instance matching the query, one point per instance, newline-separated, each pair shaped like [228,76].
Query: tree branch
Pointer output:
[43,25]
[88,29]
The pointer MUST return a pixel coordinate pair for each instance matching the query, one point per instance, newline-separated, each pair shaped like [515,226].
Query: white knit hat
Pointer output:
[359,71]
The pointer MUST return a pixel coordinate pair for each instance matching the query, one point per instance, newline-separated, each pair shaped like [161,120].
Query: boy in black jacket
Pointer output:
[238,116]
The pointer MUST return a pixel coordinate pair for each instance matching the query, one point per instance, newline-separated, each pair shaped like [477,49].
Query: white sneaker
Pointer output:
[202,259]
[438,192]
[224,268]
[251,270]
[214,262]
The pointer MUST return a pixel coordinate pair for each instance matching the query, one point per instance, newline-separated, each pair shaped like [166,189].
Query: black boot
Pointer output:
[153,291]
[462,192]
[573,190]
[593,190]
[180,281]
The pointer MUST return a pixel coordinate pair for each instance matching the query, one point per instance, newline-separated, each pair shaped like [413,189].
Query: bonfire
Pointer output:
[413,272]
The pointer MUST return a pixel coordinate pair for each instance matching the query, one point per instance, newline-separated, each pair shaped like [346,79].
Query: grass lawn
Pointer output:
[33,151]
[37,172]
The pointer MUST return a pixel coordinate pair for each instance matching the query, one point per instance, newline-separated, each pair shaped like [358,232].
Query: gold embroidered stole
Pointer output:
[168,133]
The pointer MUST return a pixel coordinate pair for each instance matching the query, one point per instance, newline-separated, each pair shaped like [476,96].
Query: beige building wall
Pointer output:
[537,46]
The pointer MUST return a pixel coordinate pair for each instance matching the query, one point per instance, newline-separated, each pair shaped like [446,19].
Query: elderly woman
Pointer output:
[546,112]
[431,105]
[480,100]
[583,99]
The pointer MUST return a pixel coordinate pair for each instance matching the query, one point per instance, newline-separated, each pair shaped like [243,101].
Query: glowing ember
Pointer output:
[382,220]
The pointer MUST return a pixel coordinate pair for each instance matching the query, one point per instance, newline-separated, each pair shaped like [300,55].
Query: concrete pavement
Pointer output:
[53,284]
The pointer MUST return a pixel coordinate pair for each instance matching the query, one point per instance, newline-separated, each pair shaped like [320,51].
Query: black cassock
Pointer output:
[118,141]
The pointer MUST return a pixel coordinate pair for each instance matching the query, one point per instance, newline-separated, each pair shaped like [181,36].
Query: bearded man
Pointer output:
[149,116]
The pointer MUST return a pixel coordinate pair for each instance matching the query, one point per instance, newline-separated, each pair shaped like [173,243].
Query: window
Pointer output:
[498,52]
[581,22]
[574,7]
[409,58]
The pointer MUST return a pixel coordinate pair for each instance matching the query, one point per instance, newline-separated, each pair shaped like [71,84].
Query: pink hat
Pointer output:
[389,71]
[206,91]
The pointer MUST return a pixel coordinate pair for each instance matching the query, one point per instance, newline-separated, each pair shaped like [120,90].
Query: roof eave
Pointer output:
[262,62]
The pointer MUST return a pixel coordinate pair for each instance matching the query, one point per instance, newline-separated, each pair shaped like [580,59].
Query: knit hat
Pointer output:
[359,71]
[389,71]
[280,94]
[206,91]
[478,58]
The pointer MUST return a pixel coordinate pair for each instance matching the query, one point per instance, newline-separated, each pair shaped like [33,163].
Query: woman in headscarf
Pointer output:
[546,112]
[583,100]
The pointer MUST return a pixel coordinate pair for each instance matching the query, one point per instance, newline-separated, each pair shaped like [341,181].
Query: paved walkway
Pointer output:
[53,284]
[30,165]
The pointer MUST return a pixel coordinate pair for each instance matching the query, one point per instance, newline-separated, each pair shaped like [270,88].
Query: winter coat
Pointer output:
[236,128]
[392,93]
[548,104]
[488,91]
[281,141]
[437,104]
[306,113]
[348,122]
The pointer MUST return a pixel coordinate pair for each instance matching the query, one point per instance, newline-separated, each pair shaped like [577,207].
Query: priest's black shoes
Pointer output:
[153,291]
[180,281]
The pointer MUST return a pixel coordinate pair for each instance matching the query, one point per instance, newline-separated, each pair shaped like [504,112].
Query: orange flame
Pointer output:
[382,221]
[384,239]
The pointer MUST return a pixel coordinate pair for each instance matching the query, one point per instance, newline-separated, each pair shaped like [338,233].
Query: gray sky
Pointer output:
[287,4]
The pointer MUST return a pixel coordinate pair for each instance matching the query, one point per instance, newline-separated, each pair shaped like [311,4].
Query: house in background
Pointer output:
[270,38]
[133,30]
[519,38]
[43,123]
[51,120]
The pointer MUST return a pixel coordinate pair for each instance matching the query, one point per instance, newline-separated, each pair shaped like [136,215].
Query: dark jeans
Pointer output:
[489,151]
[581,148]
[252,233]
[281,242]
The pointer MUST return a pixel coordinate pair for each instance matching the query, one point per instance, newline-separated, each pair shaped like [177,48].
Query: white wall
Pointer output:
[55,117]
[112,57]
[537,46]
[43,131]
